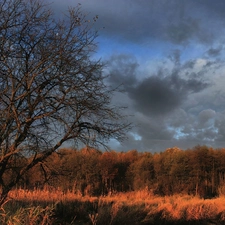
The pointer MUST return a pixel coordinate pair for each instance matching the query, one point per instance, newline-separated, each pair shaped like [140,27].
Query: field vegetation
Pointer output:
[198,172]
[88,186]
[139,207]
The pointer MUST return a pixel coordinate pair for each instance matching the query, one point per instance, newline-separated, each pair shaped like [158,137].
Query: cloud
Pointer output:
[219,126]
[122,70]
[175,89]
[157,94]
[138,21]
[173,106]
[205,116]
[214,51]
[182,32]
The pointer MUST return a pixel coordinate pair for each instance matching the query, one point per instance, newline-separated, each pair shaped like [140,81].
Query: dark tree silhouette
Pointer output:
[51,89]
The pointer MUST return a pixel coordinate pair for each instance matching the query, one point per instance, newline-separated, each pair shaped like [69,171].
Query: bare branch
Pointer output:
[51,90]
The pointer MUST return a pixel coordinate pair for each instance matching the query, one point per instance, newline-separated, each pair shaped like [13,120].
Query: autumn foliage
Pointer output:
[199,172]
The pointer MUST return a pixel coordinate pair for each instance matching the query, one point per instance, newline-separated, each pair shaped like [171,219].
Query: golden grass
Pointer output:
[171,208]
[47,196]
[187,208]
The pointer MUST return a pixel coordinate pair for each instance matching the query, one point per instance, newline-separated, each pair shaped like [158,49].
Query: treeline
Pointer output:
[198,171]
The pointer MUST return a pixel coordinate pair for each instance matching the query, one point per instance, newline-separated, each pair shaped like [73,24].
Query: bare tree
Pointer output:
[51,89]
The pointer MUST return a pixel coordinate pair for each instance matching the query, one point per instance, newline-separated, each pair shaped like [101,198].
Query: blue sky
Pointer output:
[169,55]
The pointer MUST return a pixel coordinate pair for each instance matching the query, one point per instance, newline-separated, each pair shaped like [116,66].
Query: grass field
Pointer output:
[55,207]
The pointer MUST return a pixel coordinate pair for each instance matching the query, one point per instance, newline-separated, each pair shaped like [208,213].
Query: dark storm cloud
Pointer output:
[157,94]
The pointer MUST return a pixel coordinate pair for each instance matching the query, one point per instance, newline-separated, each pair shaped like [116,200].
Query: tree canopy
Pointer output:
[199,171]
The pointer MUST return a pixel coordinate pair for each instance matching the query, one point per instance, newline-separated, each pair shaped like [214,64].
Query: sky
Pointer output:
[169,57]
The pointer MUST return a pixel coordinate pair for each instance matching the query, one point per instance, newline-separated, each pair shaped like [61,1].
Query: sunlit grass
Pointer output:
[132,207]
[47,195]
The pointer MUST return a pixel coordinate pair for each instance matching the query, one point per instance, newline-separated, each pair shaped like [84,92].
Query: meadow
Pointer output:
[49,206]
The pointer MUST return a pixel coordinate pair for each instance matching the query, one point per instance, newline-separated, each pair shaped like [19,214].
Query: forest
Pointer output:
[199,171]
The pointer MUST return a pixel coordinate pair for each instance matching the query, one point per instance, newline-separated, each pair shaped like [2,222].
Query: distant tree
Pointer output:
[142,172]
[163,164]
[108,170]
[88,179]
[51,89]
[203,171]
[181,172]
[219,180]
[123,179]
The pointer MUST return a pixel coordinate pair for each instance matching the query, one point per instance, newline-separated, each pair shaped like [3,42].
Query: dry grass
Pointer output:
[141,205]
[47,195]
[187,208]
